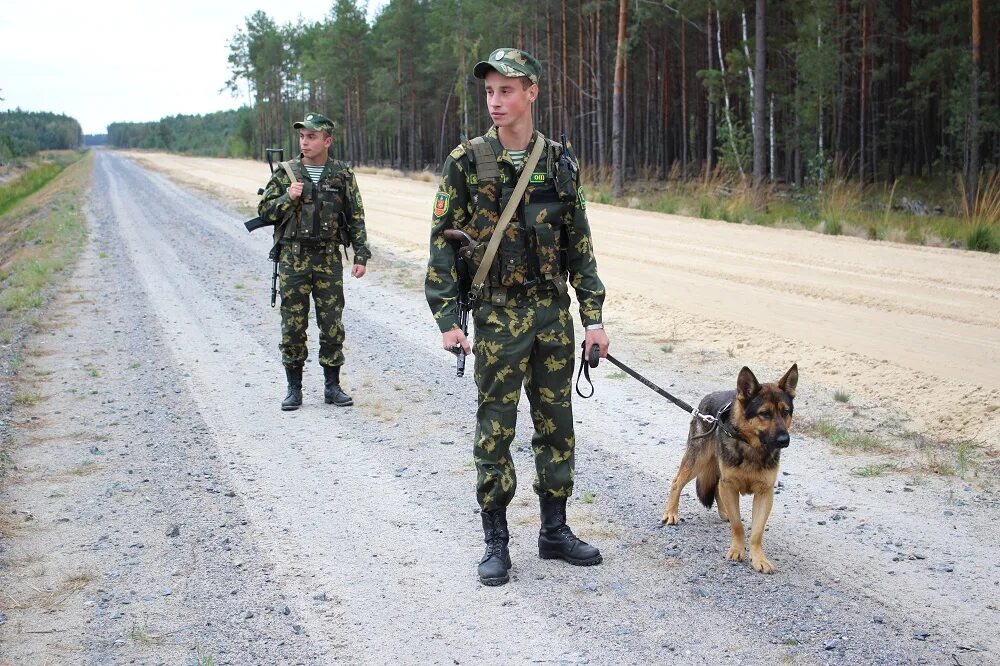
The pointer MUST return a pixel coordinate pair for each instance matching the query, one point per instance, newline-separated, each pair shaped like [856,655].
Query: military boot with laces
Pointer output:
[557,541]
[496,560]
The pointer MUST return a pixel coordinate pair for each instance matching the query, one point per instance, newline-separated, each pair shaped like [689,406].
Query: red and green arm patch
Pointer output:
[442,203]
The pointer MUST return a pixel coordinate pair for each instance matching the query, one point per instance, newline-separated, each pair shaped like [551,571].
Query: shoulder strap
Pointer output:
[486,160]
[287,166]
[508,212]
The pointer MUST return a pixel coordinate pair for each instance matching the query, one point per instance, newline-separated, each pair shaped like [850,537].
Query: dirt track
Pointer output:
[911,333]
[351,535]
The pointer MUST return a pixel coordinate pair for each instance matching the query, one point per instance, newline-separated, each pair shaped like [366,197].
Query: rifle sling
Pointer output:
[279,230]
[508,212]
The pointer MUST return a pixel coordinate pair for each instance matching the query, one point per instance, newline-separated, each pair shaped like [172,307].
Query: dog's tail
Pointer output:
[706,484]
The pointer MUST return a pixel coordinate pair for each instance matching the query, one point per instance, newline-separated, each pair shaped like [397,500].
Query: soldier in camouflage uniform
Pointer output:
[314,214]
[524,330]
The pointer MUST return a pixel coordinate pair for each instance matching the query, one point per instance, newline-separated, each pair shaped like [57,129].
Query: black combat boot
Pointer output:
[294,398]
[557,541]
[333,394]
[496,560]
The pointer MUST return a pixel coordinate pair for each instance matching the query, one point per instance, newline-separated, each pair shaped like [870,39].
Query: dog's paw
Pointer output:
[735,554]
[669,518]
[762,564]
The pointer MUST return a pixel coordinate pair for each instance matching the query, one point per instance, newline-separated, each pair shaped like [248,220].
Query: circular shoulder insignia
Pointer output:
[499,55]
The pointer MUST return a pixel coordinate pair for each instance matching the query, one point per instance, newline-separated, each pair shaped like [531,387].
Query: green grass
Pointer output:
[239,285]
[134,365]
[848,440]
[23,398]
[840,207]
[617,374]
[6,462]
[48,245]
[840,396]
[983,238]
[203,659]
[872,471]
[588,497]
[35,248]
[6,336]
[966,458]
[27,184]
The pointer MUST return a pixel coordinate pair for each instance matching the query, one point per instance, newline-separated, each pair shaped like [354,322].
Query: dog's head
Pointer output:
[766,409]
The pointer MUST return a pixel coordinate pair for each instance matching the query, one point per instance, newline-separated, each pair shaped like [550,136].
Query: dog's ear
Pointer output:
[791,378]
[747,385]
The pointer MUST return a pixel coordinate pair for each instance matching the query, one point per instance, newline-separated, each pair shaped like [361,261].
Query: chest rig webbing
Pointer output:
[481,153]
[318,216]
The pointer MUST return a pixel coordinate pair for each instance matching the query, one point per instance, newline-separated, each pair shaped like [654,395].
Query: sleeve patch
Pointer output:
[580,200]
[441,204]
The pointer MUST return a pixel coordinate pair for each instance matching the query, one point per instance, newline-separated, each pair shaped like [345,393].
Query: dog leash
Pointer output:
[595,358]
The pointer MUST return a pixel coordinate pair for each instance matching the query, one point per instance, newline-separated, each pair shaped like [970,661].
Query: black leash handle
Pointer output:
[595,358]
[585,365]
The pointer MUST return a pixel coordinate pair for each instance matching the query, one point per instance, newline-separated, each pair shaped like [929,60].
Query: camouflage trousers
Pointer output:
[321,274]
[528,342]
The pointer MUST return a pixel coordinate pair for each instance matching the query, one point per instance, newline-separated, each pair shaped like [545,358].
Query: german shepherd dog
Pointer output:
[738,455]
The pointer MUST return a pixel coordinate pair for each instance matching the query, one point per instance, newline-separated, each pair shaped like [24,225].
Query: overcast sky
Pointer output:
[101,61]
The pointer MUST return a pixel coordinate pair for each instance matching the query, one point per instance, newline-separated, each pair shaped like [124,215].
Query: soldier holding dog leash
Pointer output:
[516,197]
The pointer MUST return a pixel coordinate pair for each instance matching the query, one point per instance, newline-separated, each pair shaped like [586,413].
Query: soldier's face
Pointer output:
[314,145]
[507,99]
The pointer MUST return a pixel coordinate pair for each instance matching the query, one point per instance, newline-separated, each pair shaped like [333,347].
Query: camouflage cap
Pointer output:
[509,62]
[316,122]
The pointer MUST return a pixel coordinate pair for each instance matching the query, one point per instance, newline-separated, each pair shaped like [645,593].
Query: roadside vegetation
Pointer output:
[41,234]
[26,176]
[921,212]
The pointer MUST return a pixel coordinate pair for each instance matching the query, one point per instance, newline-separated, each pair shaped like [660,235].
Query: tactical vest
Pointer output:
[324,206]
[533,248]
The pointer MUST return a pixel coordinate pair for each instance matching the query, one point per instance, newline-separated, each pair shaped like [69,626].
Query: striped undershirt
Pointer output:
[517,157]
[314,171]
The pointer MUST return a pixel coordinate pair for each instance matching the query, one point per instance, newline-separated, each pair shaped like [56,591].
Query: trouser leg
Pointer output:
[548,385]
[328,293]
[296,285]
[503,343]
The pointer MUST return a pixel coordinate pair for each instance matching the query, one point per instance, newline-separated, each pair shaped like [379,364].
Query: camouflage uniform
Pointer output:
[309,258]
[523,326]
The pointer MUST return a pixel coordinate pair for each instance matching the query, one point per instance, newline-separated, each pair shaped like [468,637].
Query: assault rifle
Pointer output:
[257,223]
[466,248]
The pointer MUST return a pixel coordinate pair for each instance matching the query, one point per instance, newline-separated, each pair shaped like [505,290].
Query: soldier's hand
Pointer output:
[597,337]
[455,338]
[295,190]
[358,271]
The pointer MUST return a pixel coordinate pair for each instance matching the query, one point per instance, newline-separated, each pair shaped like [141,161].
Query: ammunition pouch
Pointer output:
[523,294]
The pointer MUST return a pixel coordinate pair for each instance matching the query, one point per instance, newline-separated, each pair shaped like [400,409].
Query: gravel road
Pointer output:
[164,510]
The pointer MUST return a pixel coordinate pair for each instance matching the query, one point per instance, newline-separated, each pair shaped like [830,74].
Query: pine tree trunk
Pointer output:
[684,101]
[863,111]
[599,90]
[759,108]
[710,116]
[972,169]
[617,168]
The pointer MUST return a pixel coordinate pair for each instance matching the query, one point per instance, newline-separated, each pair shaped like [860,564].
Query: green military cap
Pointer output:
[509,62]
[315,121]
